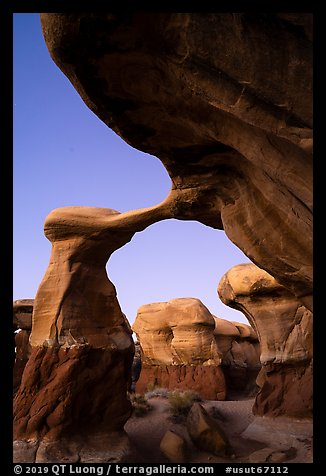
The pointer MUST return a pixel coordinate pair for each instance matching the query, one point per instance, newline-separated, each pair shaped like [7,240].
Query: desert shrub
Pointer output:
[181,402]
[157,392]
[139,404]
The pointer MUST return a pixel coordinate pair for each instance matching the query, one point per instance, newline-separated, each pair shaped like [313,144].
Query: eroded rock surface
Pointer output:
[78,373]
[240,349]
[205,432]
[177,332]
[234,132]
[22,325]
[174,447]
[224,100]
[284,328]
[185,347]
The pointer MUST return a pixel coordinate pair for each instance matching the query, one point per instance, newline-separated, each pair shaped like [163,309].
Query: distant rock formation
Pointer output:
[240,349]
[22,325]
[284,328]
[177,332]
[180,344]
[136,367]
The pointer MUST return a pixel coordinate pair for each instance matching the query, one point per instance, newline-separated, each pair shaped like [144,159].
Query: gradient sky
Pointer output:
[64,155]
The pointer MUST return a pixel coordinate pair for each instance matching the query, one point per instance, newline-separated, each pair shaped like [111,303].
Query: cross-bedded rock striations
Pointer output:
[180,344]
[284,328]
[224,100]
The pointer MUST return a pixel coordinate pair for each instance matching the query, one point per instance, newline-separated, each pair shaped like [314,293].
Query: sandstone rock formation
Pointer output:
[233,127]
[225,101]
[78,373]
[22,325]
[284,328]
[185,347]
[136,367]
[240,349]
[174,447]
[177,332]
[178,348]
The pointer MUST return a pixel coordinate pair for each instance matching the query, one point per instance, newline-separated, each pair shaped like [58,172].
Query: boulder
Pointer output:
[205,432]
[174,447]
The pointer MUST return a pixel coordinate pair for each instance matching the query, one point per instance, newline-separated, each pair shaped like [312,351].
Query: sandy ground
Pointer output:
[146,433]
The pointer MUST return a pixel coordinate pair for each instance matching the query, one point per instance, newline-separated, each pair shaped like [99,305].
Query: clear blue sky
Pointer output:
[64,155]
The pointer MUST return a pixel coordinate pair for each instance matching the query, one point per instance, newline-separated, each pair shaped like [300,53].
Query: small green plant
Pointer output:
[139,404]
[181,403]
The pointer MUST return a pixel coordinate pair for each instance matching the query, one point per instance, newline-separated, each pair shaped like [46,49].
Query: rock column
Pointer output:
[284,328]
[72,402]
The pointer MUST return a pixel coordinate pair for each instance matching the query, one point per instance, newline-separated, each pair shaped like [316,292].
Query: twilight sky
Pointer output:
[64,155]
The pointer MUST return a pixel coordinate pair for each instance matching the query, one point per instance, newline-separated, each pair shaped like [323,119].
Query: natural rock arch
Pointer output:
[234,132]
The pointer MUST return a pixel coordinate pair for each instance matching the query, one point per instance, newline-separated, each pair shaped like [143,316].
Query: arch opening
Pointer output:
[174,259]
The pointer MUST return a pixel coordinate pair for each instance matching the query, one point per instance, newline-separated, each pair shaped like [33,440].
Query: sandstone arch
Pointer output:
[234,130]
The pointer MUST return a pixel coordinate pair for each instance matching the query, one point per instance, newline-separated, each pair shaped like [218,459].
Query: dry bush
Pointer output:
[181,402]
[157,392]
[140,404]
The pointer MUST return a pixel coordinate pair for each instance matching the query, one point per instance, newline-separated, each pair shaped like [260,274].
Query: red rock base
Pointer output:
[66,391]
[208,381]
[241,379]
[286,390]
[23,350]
